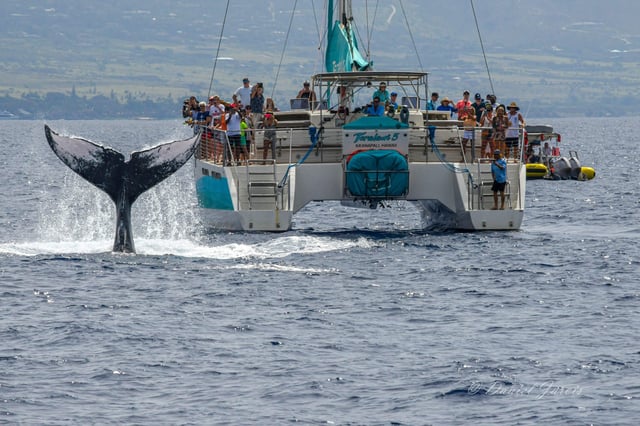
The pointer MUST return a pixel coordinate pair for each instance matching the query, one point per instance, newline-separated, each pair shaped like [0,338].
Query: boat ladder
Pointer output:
[262,186]
[485,182]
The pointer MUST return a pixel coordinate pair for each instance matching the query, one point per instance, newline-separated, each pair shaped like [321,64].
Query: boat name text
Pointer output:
[364,137]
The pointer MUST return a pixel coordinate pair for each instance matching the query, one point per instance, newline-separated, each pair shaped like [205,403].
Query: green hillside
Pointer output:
[85,58]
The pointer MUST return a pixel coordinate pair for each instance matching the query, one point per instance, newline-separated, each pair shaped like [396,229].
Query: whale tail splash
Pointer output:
[122,180]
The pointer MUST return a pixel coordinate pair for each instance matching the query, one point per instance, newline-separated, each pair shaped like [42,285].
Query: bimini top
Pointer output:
[350,78]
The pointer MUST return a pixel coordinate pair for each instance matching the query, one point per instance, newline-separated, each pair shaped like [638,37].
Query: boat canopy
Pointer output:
[412,85]
[364,77]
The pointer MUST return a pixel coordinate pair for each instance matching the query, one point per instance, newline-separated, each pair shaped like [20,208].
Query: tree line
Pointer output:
[69,106]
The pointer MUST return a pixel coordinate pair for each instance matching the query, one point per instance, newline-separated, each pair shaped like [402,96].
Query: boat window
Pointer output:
[299,103]
[410,101]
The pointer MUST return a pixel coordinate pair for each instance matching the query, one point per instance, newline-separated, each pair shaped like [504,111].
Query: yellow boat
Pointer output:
[559,167]
[536,171]
[586,173]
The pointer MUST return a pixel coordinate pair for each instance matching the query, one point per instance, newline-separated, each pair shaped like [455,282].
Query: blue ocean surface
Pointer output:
[353,317]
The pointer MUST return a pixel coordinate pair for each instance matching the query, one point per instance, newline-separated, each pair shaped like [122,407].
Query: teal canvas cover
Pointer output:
[342,48]
[381,122]
[378,174]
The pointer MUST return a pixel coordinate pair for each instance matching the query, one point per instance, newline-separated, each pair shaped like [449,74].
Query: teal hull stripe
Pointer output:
[213,193]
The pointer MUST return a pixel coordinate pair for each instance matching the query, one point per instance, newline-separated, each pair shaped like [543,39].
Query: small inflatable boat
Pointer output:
[545,160]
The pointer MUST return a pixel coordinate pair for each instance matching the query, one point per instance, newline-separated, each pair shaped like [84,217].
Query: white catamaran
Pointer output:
[331,149]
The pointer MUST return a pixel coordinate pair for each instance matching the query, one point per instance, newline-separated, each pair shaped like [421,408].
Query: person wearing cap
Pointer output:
[306,92]
[499,173]
[462,105]
[382,93]
[447,105]
[393,101]
[516,121]
[478,106]
[432,104]
[244,92]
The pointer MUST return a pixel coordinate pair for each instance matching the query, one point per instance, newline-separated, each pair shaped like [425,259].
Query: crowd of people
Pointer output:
[249,110]
[501,124]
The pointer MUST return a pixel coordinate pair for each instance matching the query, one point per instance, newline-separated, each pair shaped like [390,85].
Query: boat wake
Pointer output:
[276,248]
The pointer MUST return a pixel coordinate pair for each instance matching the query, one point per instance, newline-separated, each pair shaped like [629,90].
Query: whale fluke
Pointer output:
[122,180]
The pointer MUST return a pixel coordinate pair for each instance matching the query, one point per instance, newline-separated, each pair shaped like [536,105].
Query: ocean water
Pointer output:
[353,317]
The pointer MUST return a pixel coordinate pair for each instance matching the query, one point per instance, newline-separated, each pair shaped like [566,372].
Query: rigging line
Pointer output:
[320,35]
[370,35]
[411,35]
[215,61]
[284,48]
[315,19]
[366,14]
[368,31]
[486,64]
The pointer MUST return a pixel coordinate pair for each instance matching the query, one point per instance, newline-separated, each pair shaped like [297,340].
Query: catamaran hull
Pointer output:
[437,217]
[443,198]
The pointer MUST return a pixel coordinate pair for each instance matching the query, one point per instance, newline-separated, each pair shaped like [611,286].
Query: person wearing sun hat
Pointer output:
[382,93]
[447,105]
[499,173]
[512,136]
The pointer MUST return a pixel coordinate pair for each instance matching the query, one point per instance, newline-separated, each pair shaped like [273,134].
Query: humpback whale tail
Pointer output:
[122,180]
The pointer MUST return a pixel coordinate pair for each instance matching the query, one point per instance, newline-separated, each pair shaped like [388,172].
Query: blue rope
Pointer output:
[441,157]
[313,135]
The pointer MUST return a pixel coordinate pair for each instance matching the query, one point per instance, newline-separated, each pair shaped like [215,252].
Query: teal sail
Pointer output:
[342,48]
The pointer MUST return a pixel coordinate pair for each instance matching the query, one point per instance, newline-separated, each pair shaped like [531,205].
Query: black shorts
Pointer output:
[234,140]
[498,186]
[511,142]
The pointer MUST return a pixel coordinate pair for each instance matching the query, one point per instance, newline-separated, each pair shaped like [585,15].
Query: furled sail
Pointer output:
[342,47]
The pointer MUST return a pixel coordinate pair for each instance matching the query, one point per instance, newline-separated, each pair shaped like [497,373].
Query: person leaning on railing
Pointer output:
[269,125]
[201,119]
[486,122]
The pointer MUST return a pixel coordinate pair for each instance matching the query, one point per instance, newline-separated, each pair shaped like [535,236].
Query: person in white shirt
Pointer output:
[233,119]
[244,92]
[216,109]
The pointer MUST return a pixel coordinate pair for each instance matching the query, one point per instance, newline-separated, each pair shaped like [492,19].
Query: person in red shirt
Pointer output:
[462,105]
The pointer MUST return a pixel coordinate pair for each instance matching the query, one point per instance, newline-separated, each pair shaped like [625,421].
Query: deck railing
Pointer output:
[292,143]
